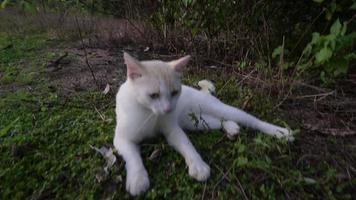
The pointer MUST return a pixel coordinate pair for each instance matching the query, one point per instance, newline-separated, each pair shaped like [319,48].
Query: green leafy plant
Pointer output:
[329,54]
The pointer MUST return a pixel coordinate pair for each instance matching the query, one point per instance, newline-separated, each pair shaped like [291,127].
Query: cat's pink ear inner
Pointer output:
[179,64]
[134,68]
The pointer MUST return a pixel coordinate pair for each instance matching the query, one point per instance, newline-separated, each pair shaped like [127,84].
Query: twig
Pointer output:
[311,86]
[241,188]
[101,115]
[281,55]
[86,53]
[287,95]
[246,102]
[222,138]
[246,76]
[216,61]
[305,156]
[227,82]
[202,197]
[135,27]
[224,176]
[315,95]
[123,17]
[306,30]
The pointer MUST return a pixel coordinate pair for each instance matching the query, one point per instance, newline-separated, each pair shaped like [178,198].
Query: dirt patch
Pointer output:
[75,74]
[324,111]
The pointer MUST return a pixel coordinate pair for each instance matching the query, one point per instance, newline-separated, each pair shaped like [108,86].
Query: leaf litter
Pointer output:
[110,158]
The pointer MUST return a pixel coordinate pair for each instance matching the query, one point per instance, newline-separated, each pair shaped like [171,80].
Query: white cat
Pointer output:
[153,101]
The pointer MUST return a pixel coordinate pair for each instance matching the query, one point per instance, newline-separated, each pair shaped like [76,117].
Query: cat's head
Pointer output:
[156,84]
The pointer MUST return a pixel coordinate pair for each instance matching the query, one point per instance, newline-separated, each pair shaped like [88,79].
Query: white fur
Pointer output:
[139,117]
[206,86]
[230,128]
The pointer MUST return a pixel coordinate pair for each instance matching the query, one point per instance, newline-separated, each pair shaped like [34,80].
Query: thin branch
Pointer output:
[202,197]
[241,188]
[314,95]
[306,31]
[86,53]
[311,86]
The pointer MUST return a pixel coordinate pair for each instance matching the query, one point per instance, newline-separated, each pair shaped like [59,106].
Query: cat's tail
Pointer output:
[213,106]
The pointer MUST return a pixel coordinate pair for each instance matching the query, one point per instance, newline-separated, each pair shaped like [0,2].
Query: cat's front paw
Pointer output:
[138,182]
[199,170]
[284,133]
[231,129]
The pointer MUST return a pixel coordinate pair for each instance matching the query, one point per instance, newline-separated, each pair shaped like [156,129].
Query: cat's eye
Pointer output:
[174,93]
[154,95]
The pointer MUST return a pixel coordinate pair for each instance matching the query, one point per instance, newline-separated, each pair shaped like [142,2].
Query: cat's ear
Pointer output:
[134,68]
[179,64]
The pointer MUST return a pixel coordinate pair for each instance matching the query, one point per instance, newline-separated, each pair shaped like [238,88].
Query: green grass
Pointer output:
[21,57]
[45,152]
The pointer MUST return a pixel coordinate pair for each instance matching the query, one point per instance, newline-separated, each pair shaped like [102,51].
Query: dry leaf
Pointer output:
[309,180]
[155,154]
[109,156]
[107,89]
[101,176]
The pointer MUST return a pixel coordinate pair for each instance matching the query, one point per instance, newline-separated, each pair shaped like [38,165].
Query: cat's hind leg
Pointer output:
[230,113]
[210,105]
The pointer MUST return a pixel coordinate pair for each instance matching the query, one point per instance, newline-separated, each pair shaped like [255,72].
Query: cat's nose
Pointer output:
[168,109]
[166,106]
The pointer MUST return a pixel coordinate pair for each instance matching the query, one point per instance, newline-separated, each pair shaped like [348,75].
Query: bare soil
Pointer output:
[75,74]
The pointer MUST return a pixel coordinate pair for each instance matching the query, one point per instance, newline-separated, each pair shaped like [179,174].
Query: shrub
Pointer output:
[330,54]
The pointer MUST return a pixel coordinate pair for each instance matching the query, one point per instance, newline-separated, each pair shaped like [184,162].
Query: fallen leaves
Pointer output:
[107,89]
[155,154]
[108,154]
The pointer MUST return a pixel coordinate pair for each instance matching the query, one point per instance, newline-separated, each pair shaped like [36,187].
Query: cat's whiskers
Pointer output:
[145,122]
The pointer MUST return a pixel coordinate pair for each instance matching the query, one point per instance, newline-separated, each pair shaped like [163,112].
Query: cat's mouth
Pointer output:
[162,112]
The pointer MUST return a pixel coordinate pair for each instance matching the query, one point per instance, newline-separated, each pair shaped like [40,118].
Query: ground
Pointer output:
[53,110]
